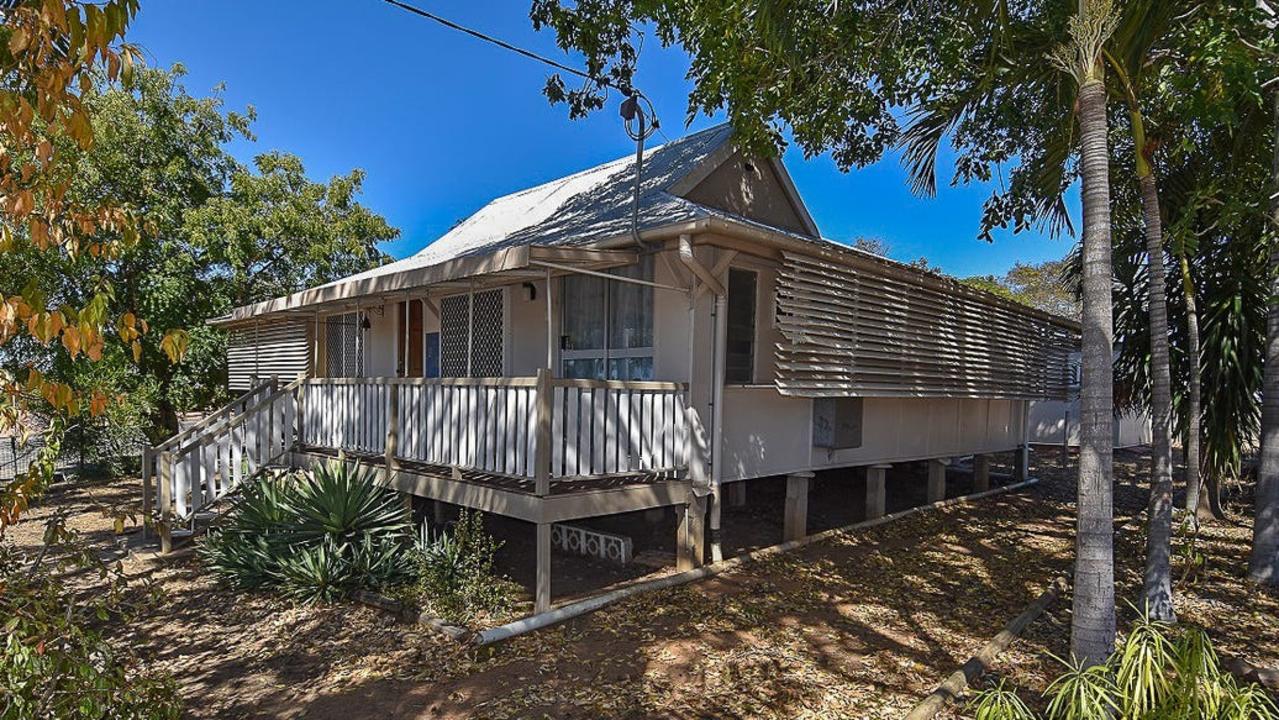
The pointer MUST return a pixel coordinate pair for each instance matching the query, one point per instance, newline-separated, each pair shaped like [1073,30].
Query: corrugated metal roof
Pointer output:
[578,209]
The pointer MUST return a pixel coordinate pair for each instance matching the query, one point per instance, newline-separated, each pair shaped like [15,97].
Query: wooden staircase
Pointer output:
[185,477]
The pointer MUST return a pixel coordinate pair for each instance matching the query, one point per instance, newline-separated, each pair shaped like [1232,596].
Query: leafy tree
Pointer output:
[214,234]
[1044,286]
[48,54]
[1263,565]
[54,661]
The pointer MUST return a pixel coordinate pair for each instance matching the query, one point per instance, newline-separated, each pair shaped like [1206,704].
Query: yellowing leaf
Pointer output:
[174,344]
[18,41]
[71,340]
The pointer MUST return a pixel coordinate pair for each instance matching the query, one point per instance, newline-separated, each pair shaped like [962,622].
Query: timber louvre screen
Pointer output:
[857,331]
[280,348]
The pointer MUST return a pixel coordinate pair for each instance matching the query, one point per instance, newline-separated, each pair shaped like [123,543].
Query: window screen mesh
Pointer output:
[486,347]
[485,320]
[344,345]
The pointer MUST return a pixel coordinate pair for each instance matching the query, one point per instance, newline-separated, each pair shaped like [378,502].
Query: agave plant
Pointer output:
[243,549]
[315,537]
[318,573]
[345,503]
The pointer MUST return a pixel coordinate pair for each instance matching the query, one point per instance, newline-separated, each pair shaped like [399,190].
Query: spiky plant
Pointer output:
[1144,666]
[315,537]
[1083,692]
[345,503]
[999,703]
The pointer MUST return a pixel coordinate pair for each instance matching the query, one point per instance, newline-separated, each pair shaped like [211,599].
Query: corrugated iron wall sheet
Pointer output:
[280,348]
[865,332]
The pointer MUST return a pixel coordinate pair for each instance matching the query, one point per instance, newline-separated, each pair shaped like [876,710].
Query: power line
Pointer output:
[632,109]
[502,43]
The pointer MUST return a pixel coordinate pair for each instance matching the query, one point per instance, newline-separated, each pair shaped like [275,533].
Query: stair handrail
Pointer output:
[211,417]
[243,416]
[165,449]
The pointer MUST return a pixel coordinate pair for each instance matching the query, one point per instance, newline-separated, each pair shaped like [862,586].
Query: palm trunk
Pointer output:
[1092,629]
[1157,584]
[1263,566]
[1199,498]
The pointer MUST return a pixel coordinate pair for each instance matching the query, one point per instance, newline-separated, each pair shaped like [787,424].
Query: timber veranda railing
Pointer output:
[542,429]
[497,426]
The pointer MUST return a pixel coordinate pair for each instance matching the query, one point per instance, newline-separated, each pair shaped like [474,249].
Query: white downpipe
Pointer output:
[717,423]
[550,325]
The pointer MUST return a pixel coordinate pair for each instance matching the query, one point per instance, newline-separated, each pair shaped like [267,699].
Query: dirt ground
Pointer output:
[862,625]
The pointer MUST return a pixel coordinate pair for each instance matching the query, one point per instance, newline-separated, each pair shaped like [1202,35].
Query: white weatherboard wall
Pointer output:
[379,342]
[765,433]
[1048,424]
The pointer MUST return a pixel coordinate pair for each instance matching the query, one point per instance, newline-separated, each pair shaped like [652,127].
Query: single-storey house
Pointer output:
[581,349]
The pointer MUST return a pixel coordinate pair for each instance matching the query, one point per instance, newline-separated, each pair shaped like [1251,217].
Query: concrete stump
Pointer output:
[690,534]
[876,491]
[981,473]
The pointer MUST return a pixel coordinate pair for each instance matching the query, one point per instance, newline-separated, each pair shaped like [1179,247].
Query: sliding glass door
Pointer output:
[607,325]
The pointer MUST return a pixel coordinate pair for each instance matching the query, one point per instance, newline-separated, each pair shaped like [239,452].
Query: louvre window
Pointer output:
[739,351]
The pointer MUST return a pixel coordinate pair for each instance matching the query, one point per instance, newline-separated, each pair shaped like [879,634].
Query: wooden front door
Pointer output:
[413,337]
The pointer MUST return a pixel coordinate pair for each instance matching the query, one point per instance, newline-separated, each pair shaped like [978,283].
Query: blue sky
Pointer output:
[442,123]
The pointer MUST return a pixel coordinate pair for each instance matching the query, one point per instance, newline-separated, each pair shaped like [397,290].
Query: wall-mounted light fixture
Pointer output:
[530,291]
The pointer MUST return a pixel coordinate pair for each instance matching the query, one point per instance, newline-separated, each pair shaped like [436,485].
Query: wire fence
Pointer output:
[83,451]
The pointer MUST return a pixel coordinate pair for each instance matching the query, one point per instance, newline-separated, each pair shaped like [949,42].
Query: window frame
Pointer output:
[607,353]
[755,326]
[360,342]
[504,330]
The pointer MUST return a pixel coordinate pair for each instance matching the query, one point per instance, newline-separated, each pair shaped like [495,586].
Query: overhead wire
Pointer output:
[632,109]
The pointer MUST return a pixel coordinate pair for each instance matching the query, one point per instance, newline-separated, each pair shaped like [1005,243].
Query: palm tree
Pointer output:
[1128,64]
[1201,503]
[1004,83]
[1092,634]
[1263,566]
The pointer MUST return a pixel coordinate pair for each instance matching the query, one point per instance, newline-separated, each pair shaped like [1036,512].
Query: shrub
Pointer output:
[55,660]
[313,536]
[454,572]
[1156,673]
